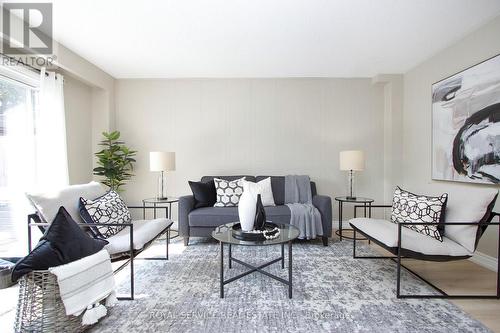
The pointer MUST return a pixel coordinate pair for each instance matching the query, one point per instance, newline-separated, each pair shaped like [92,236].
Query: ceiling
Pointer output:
[263,38]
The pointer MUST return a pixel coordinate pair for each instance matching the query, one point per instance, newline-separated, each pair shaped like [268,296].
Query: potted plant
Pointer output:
[115,161]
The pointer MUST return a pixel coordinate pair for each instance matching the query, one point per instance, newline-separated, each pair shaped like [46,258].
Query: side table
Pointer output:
[160,204]
[365,202]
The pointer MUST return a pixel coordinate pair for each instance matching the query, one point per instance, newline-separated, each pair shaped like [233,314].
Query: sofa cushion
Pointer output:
[47,203]
[278,186]
[263,188]
[278,214]
[228,193]
[203,193]
[144,231]
[386,232]
[215,216]
[212,216]
[473,205]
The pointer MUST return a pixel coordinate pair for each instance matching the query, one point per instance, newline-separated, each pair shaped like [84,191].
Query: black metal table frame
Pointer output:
[259,268]
[160,205]
[367,205]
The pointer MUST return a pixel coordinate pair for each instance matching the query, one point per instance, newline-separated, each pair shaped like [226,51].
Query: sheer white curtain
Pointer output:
[50,126]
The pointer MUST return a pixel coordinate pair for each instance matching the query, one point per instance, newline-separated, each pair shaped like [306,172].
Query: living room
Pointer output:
[226,166]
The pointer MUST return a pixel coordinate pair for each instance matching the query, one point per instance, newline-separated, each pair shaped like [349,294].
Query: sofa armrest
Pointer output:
[324,204]
[186,205]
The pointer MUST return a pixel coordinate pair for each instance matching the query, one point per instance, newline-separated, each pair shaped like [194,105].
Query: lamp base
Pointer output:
[161,198]
[350,198]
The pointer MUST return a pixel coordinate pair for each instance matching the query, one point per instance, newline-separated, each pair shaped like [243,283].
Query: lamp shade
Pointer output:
[352,160]
[161,161]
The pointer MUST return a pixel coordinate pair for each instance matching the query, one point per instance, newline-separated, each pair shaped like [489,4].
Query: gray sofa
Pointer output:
[202,221]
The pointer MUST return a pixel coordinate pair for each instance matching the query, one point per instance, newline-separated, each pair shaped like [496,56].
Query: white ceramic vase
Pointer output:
[246,209]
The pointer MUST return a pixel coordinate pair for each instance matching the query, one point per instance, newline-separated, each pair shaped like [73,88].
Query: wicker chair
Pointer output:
[40,308]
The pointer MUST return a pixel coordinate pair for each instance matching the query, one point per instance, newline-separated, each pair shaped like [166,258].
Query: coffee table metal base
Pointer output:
[259,268]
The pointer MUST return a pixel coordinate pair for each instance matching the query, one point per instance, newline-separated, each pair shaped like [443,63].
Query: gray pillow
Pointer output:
[228,192]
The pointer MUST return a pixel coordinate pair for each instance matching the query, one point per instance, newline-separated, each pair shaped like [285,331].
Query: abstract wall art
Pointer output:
[466,125]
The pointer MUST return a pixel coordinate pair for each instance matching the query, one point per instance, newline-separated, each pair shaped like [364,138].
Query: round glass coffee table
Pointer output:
[224,235]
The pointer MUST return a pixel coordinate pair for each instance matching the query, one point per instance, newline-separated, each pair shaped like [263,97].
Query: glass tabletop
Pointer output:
[156,200]
[223,233]
[356,199]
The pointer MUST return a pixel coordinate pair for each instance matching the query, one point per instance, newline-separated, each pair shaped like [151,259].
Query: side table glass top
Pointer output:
[156,200]
[223,233]
[357,199]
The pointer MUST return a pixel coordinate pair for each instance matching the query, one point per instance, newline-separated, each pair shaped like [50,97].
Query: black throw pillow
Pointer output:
[204,194]
[63,242]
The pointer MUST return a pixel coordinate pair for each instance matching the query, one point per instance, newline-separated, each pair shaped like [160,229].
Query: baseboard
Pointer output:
[485,260]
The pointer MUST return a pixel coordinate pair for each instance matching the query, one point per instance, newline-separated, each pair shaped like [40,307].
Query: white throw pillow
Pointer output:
[228,192]
[47,204]
[467,206]
[263,188]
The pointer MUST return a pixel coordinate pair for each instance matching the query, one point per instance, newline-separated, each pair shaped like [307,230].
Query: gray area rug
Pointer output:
[332,292]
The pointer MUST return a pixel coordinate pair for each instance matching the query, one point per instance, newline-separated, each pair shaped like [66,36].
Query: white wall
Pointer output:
[253,126]
[78,108]
[480,45]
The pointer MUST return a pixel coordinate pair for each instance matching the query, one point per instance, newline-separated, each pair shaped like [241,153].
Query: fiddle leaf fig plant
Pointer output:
[115,161]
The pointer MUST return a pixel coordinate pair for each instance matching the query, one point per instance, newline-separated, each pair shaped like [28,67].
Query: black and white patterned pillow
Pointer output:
[108,208]
[411,208]
[228,192]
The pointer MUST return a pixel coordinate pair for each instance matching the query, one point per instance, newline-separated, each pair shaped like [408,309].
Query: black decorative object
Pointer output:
[252,235]
[260,215]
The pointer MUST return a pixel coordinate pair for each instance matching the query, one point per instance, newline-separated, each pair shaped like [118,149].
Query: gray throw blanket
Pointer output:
[298,198]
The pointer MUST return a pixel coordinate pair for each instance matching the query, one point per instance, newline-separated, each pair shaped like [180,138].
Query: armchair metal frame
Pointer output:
[400,253]
[34,220]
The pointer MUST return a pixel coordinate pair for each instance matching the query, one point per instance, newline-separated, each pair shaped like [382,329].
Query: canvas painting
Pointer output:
[466,125]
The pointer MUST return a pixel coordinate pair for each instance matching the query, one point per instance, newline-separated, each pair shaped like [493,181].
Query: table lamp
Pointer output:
[352,160]
[162,162]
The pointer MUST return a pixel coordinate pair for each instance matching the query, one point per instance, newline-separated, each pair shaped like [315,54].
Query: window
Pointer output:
[18,103]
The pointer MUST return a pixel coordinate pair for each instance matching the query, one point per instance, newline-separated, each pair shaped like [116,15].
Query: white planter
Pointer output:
[246,209]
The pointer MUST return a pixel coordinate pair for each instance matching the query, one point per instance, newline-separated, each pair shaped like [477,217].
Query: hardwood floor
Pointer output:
[461,277]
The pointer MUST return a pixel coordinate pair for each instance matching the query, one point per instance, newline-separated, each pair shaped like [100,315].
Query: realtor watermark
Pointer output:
[27,34]
[160,315]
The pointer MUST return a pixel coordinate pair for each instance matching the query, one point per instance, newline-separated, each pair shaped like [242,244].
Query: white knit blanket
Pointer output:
[84,283]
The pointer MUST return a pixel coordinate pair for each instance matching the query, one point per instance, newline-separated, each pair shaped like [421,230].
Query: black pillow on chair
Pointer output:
[204,194]
[63,242]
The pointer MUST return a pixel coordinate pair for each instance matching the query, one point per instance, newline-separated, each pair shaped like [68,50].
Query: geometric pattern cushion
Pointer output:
[228,192]
[108,208]
[144,232]
[412,208]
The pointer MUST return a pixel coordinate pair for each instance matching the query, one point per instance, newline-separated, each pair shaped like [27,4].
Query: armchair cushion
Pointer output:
[47,203]
[473,205]
[144,232]
[386,232]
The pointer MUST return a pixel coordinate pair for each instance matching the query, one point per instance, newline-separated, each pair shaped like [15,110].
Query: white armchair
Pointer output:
[467,217]
[126,244]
